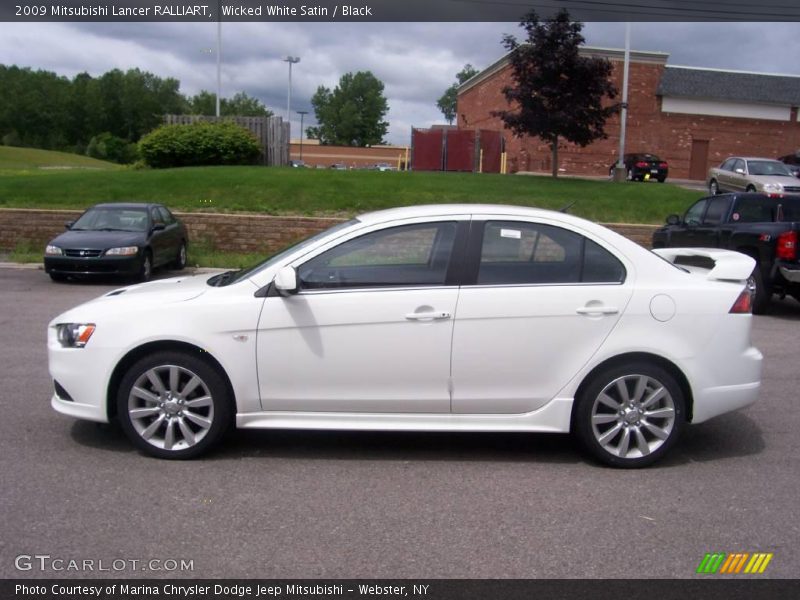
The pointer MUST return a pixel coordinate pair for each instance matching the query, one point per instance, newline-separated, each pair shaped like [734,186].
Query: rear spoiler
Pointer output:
[727,264]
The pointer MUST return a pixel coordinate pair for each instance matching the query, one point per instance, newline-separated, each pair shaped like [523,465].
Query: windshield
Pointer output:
[768,167]
[230,277]
[112,219]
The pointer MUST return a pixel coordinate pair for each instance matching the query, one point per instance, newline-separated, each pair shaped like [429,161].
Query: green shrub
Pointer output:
[199,144]
[107,146]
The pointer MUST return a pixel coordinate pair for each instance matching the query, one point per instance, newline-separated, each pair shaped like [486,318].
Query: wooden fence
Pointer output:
[272,133]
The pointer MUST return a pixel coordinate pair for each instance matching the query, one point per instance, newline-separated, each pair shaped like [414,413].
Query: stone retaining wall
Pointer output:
[231,232]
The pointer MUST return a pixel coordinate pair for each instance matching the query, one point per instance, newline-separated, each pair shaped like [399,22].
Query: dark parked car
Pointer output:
[128,239]
[793,162]
[759,225]
[643,167]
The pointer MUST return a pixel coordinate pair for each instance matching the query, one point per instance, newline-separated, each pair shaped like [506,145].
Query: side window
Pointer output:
[728,164]
[694,215]
[717,209]
[520,253]
[399,256]
[156,216]
[739,164]
[166,216]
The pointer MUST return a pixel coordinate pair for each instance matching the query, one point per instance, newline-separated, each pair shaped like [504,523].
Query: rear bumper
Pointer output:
[714,401]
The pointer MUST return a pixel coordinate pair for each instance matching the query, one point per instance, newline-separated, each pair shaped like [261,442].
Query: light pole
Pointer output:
[619,169]
[291,60]
[302,114]
[219,55]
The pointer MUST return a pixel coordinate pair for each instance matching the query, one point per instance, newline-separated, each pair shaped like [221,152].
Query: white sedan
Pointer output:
[436,318]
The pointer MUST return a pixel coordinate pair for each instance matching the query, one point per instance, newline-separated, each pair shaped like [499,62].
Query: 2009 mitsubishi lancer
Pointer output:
[439,318]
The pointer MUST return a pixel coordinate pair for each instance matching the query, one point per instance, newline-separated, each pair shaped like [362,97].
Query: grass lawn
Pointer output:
[282,191]
[19,161]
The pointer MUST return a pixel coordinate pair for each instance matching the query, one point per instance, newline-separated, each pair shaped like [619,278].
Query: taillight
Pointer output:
[662,165]
[641,164]
[743,304]
[787,246]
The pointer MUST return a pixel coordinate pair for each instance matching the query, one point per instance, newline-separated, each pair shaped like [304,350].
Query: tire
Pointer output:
[174,405]
[662,179]
[146,268]
[751,188]
[629,416]
[761,294]
[713,187]
[630,176]
[180,261]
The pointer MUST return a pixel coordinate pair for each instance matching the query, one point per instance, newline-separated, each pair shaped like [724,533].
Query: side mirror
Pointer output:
[740,171]
[286,281]
[69,224]
[673,220]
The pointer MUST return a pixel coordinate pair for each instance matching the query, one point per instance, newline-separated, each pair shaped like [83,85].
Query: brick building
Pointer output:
[694,118]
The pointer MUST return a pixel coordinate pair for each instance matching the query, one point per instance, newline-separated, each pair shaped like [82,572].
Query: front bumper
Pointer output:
[102,265]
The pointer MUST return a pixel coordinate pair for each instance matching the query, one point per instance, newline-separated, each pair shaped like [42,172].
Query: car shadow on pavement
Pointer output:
[101,436]
[728,436]
[787,309]
[393,446]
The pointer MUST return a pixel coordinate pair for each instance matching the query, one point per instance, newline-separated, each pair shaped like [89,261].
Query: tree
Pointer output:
[205,103]
[352,114]
[447,103]
[556,93]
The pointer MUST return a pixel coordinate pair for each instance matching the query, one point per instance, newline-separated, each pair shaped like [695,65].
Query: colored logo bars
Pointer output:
[737,563]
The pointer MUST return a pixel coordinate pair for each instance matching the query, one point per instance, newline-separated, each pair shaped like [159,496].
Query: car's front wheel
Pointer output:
[629,415]
[146,268]
[173,405]
[713,187]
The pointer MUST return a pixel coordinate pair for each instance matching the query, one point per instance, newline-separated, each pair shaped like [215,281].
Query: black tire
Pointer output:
[713,187]
[662,179]
[617,431]
[180,260]
[146,268]
[751,188]
[762,295]
[629,176]
[179,423]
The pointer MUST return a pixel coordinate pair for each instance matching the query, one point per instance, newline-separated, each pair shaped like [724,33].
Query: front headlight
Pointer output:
[52,250]
[123,251]
[74,335]
[773,187]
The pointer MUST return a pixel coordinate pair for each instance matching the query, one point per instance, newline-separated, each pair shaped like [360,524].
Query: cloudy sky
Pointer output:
[416,61]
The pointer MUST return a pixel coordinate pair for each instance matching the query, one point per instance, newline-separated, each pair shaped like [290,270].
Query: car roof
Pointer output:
[124,205]
[753,158]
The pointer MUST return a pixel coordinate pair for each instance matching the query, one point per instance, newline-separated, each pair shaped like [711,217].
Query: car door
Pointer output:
[159,237]
[370,329]
[738,177]
[684,234]
[541,301]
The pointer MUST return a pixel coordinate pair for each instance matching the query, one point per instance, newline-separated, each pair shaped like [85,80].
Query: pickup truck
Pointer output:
[763,227]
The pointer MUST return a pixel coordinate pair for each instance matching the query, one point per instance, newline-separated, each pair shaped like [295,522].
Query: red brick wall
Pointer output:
[236,233]
[356,158]
[648,129]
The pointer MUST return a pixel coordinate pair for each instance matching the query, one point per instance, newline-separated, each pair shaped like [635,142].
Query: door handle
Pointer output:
[597,310]
[434,315]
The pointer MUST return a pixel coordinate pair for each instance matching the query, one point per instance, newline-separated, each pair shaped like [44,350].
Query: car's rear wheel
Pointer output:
[751,188]
[180,260]
[173,405]
[760,294]
[630,176]
[629,415]
[713,187]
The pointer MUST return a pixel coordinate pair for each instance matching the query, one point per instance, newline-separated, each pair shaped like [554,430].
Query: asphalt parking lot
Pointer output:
[379,505]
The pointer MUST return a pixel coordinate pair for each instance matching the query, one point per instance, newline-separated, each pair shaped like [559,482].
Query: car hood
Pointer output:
[98,240]
[134,298]
[762,179]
